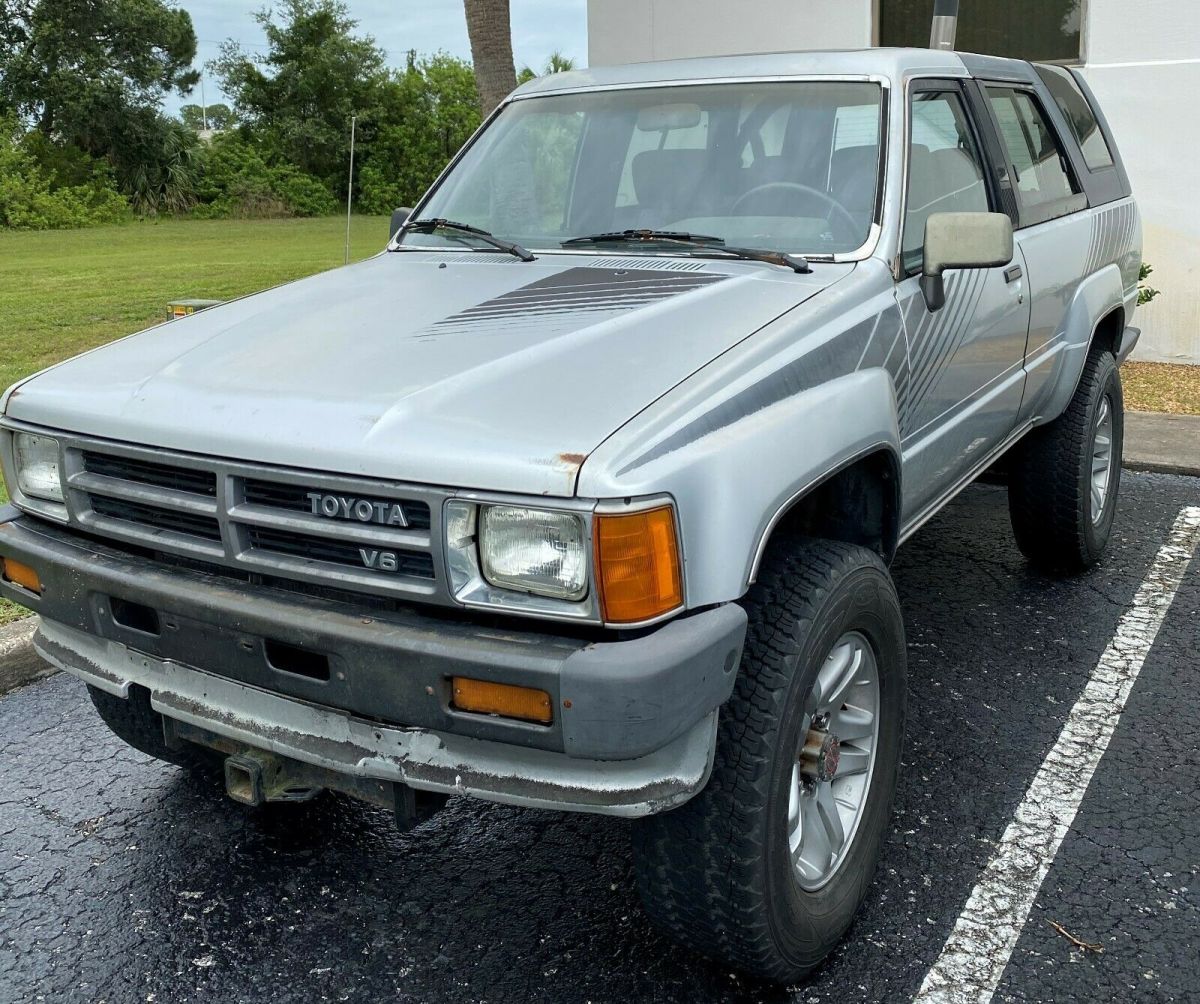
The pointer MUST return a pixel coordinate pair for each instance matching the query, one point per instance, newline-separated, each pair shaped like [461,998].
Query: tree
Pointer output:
[74,69]
[90,77]
[298,98]
[557,63]
[490,31]
[428,113]
[219,117]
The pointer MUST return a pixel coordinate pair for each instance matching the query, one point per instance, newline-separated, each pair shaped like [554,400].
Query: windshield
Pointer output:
[780,166]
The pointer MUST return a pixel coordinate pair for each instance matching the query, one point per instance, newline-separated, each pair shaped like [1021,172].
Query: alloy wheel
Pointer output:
[1102,458]
[831,776]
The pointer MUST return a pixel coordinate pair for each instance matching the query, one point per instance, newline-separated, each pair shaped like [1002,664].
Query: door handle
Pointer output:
[1013,274]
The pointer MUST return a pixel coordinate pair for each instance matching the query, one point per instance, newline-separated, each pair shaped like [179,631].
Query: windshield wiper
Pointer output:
[716,244]
[432,226]
[621,236]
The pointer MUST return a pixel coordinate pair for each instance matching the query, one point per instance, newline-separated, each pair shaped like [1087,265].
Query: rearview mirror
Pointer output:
[399,218]
[962,240]
[660,118]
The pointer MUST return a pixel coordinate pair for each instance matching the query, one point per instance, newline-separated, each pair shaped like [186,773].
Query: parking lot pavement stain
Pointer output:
[122,878]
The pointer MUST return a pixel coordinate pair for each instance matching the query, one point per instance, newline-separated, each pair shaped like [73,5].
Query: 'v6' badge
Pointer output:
[381,561]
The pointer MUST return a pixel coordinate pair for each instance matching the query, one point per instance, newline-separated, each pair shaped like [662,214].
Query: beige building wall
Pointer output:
[1143,62]
[630,31]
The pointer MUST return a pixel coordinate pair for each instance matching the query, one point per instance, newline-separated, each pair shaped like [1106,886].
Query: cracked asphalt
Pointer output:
[122,879]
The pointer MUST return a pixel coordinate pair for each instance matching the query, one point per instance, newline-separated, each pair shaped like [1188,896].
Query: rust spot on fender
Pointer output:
[574,461]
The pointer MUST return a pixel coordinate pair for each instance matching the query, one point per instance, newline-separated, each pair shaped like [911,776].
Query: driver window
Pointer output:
[945,171]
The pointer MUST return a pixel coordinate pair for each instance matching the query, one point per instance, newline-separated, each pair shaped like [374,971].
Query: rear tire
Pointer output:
[722,874]
[140,726]
[1061,514]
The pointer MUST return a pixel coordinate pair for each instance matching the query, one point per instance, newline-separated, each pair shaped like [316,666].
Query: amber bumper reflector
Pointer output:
[637,565]
[502,699]
[22,575]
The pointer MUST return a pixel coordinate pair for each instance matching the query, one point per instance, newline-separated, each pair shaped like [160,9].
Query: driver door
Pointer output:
[961,392]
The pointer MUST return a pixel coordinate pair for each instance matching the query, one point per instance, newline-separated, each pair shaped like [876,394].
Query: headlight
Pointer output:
[534,551]
[36,462]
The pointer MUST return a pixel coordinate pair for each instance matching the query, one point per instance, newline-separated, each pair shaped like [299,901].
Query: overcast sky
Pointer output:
[539,28]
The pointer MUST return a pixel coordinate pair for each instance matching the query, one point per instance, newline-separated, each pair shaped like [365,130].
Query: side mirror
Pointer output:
[962,240]
[399,218]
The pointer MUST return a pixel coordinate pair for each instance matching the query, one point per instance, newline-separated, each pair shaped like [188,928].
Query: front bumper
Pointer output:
[635,719]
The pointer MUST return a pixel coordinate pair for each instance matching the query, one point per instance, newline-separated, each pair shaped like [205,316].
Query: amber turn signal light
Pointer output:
[638,573]
[22,575]
[502,699]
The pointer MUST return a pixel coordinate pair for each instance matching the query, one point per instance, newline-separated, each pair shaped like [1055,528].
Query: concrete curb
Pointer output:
[19,663]
[1162,444]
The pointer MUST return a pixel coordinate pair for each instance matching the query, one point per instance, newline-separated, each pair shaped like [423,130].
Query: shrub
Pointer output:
[236,181]
[303,194]
[157,165]
[1146,293]
[31,199]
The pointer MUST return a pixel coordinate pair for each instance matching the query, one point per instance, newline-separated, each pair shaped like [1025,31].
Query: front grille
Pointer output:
[258,521]
[337,552]
[180,479]
[295,498]
[188,524]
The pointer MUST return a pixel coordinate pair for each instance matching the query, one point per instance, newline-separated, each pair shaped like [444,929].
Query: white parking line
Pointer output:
[975,955]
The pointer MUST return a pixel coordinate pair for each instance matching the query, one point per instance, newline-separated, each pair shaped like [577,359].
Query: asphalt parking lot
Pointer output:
[124,880]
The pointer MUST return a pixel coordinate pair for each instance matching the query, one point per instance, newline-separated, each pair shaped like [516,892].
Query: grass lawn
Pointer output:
[65,291]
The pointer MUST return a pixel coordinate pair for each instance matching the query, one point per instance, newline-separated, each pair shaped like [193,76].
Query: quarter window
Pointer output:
[1079,115]
[945,170]
[1043,179]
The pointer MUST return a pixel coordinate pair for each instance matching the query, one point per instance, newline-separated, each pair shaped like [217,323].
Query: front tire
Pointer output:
[765,869]
[1066,475]
[135,722]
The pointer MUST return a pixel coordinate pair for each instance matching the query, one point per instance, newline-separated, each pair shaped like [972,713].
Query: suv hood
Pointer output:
[462,370]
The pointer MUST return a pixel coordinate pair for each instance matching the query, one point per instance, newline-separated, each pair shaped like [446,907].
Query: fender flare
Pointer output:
[1095,299]
[891,535]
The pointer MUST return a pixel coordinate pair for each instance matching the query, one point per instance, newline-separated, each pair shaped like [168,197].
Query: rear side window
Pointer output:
[1044,180]
[1078,113]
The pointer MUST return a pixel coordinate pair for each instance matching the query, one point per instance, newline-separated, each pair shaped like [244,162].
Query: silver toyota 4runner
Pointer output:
[582,494]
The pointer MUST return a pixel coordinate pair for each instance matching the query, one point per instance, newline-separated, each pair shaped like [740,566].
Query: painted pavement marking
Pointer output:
[973,960]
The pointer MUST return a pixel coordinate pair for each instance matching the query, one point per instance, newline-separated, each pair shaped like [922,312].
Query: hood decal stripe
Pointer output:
[580,289]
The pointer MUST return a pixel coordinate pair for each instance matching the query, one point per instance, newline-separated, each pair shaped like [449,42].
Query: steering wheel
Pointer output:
[835,207]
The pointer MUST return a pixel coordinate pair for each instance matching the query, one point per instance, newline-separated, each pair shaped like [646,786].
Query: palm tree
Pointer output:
[490,31]
[557,63]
